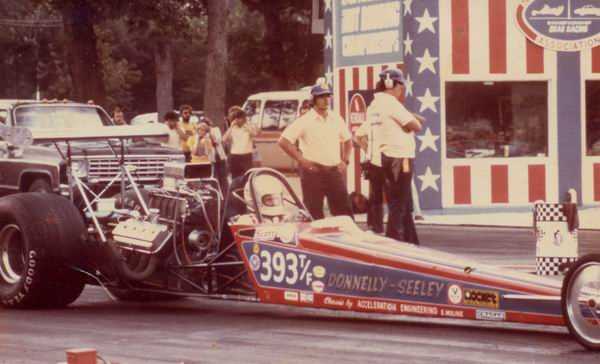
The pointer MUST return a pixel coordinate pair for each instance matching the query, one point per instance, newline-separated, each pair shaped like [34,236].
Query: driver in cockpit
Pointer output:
[269,193]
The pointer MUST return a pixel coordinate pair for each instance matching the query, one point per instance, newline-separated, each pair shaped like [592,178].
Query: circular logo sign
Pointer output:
[319,271]
[318,286]
[560,25]
[254,262]
[455,294]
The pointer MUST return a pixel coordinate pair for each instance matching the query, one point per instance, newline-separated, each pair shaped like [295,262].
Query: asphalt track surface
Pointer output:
[213,331]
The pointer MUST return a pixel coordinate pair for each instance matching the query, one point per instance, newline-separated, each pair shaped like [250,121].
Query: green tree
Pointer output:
[85,67]
[157,25]
[293,53]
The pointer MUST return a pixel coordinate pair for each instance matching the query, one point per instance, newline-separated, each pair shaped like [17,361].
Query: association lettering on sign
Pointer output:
[481,298]
[563,25]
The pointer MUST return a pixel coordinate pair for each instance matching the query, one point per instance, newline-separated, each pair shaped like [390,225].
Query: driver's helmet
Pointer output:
[269,195]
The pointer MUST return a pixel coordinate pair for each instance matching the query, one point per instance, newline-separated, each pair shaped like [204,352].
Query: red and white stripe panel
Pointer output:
[481,38]
[481,41]
[348,79]
[487,182]
[590,65]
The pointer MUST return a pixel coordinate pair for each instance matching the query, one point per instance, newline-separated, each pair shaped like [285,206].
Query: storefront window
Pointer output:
[592,112]
[496,119]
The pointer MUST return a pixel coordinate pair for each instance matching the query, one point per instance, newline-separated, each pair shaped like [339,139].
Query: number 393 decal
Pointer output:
[273,266]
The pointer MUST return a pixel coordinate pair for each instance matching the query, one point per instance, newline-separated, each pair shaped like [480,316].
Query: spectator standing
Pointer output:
[240,135]
[368,136]
[118,115]
[320,133]
[216,154]
[177,136]
[398,153]
[188,127]
[200,145]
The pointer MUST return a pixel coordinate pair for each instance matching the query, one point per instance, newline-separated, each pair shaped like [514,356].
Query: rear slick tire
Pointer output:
[580,301]
[40,238]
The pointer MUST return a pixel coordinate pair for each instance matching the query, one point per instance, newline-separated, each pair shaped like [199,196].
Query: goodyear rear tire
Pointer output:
[40,238]
[580,301]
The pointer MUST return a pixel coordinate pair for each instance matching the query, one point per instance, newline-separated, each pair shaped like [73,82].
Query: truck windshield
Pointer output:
[67,117]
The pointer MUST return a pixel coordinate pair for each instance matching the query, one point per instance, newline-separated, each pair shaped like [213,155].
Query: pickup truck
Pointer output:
[40,167]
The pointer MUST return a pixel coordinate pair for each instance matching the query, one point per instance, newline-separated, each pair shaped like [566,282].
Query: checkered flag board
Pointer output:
[549,266]
[549,212]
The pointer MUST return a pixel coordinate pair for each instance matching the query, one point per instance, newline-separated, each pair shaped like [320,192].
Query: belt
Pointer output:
[324,168]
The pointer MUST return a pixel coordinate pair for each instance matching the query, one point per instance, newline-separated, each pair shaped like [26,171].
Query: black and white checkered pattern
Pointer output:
[549,212]
[548,266]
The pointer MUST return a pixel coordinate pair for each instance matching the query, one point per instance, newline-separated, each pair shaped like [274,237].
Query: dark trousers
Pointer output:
[375,211]
[220,173]
[398,176]
[325,182]
[239,164]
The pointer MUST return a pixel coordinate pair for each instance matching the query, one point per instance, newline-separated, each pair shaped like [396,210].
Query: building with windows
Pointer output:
[510,89]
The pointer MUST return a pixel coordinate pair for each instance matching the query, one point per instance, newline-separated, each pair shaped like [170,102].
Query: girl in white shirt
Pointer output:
[241,135]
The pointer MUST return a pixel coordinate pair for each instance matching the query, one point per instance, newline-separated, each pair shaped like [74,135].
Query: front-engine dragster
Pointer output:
[255,242]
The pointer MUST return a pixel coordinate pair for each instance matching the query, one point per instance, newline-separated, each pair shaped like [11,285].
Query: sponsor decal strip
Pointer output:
[410,308]
[286,268]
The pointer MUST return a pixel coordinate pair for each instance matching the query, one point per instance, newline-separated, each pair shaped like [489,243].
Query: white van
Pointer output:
[272,112]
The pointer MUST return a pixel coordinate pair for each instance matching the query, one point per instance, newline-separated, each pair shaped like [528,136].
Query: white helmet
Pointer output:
[269,195]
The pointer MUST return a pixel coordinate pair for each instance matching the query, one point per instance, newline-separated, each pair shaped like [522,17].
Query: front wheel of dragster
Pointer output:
[40,237]
[580,301]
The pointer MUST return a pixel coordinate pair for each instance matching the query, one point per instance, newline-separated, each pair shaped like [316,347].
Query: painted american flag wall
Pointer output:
[479,40]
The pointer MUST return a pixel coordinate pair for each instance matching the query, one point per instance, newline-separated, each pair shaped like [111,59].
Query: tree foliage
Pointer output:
[269,47]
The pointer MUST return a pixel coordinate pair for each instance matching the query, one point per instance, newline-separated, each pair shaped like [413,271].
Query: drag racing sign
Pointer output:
[358,111]
[561,25]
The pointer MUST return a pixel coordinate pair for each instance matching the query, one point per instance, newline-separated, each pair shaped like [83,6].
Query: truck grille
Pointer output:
[147,168]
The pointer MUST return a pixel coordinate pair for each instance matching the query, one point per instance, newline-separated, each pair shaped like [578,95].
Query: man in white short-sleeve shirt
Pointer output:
[398,126]
[369,137]
[320,133]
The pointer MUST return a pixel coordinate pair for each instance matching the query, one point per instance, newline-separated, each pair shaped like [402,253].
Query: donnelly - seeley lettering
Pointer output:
[419,287]
[353,282]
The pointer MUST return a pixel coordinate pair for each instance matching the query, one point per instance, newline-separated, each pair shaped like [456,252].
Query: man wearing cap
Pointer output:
[320,132]
[397,147]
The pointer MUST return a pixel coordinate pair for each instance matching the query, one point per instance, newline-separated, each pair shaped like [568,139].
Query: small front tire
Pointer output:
[580,301]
